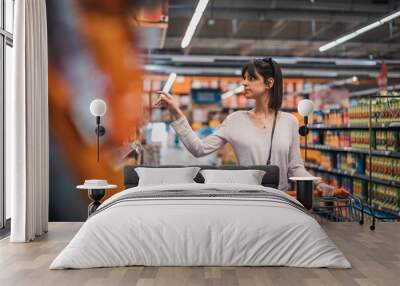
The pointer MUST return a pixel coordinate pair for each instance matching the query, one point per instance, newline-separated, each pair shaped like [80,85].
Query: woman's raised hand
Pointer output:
[171,102]
[165,99]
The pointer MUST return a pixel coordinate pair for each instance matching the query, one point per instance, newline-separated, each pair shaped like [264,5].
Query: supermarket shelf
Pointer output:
[381,213]
[352,175]
[340,127]
[372,92]
[390,154]
[386,182]
[374,96]
[387,125]
[378,213]
[335,149]
[335,172]
[355,127]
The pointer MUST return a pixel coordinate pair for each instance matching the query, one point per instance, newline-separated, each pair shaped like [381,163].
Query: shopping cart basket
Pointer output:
[340,207]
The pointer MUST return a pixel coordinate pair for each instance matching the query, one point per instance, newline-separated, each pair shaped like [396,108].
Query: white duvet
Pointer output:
[200,231]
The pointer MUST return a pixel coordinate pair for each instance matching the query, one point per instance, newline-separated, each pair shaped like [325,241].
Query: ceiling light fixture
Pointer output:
[360,31]
[201,6]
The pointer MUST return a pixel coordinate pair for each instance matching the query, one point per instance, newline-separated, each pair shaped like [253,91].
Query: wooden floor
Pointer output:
[375,257]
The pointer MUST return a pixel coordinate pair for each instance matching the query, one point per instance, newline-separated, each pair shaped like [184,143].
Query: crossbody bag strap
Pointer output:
[272,137]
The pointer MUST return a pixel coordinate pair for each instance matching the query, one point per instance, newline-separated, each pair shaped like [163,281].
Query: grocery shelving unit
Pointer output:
[370,96]
[390,154]
[370,127]
[352,175]
[355,127]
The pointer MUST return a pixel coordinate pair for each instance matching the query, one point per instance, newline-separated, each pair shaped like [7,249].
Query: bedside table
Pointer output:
[96,191]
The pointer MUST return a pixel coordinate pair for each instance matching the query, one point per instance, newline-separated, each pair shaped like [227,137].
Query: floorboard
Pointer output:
[375,257]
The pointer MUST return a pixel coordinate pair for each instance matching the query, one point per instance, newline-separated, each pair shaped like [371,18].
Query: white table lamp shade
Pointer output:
[98,107]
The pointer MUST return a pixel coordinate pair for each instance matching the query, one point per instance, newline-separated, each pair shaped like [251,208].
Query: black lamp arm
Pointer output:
[100,131]
[305,120]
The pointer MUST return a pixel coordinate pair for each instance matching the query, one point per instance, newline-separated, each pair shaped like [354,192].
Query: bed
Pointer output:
[197,224]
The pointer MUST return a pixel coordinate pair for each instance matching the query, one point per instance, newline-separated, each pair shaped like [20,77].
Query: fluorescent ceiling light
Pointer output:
[238,72]
[360,31]
[201,6]
[192,59]
[280,60]
[351,80]
[358,62]
[164,69]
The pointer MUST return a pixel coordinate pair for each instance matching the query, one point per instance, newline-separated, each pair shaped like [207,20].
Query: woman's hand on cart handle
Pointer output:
[326,190]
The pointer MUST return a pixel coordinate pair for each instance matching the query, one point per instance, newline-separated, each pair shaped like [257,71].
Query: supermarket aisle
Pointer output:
[349,144]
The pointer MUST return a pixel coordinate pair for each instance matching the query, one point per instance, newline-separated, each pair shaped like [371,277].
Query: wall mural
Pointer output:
[94,54]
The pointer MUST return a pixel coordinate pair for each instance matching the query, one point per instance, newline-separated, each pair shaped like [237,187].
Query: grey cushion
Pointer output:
[270,179]
[165,176]
[248,177]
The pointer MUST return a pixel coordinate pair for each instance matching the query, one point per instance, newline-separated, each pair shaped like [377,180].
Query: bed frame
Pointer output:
[270,179]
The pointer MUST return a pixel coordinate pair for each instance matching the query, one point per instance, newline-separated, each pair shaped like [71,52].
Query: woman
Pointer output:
[249,132]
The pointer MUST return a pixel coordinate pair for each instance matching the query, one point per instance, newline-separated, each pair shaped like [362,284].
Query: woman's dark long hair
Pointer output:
[267,68]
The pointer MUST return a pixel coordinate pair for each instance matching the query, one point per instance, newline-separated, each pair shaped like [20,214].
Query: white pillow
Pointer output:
[163,176]
[248,177]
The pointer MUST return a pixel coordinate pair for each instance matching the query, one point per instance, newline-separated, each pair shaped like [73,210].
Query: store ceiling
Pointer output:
[283,27]
[280,28]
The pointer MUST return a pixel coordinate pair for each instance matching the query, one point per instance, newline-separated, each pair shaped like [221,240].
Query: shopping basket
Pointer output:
[340,207]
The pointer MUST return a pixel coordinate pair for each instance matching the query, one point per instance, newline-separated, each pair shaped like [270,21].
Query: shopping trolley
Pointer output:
[342,206]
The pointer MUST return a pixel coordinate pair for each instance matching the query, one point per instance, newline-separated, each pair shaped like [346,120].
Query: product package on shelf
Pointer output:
[312,138]
[384,110]
[359,139]
[313,156]
[393,140]
[359,112]
[380,139]
[336,117]
[384,168]
[360,189]
[336,138]
[327,160]
[318,117]
[387,140]
[386,198]
[331,117]
[351,163]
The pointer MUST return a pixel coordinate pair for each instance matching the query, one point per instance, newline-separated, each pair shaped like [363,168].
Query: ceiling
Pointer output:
[231,31]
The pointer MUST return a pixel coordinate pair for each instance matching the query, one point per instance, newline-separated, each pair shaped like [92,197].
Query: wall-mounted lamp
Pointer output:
[305,107]
[98,108]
